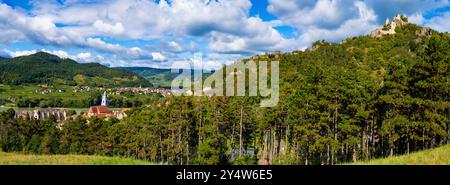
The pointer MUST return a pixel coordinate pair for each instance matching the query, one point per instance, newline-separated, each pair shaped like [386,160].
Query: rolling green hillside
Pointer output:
[438,156]
[28,159]
[158,77]
[44,68]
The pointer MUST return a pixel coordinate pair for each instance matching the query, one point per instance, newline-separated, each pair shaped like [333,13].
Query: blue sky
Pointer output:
[158,33]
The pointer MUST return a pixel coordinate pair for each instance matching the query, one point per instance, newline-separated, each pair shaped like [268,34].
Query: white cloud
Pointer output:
[321,14]
[19,53]
[84,56]
[115,29]
[264,38]
[330,20]
[59,53]
[416,18]
[218,28]
[146,19]
[440,23]
[390,8]
[158,56]
[100,44]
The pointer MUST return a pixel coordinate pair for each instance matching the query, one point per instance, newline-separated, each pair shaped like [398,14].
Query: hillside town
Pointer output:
[122,90]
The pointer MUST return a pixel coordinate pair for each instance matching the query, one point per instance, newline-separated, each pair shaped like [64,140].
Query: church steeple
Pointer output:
[105,101]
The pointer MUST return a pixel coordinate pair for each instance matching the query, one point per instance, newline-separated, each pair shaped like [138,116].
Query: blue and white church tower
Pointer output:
[105,101]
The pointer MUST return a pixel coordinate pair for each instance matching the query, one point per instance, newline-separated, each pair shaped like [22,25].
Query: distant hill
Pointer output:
[158,77]
[44,68]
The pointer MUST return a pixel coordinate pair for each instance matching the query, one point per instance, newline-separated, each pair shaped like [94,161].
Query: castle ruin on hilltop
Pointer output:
[389,28]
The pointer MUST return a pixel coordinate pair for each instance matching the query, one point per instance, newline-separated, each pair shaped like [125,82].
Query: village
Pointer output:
[60,114]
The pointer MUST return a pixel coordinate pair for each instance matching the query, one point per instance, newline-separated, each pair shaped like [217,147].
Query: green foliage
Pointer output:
[245,160]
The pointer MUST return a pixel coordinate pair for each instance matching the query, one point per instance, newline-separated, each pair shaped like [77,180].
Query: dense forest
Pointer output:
[362,99]
[44,68]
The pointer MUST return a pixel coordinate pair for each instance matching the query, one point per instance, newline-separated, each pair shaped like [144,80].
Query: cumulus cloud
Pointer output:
[362,24]
[115,29]
[158,56]
[321,14]
[166,30]
[440,23]
[227,23]
[60,53]
[12,54]
[390,8]
[331,20]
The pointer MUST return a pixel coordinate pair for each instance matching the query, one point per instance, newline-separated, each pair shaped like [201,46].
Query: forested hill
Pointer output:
[364,98]
[44,68]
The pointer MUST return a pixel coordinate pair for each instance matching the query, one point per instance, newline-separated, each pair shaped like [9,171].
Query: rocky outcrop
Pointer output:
[389,27]
[424,32]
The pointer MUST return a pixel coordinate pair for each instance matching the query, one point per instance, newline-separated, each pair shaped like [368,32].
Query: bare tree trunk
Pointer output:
[180,146]
[407,146]
[328,154]
[286,140]
[161,148]
[448,135]
[232,140]
[187,146]
[334,132]
[240,131]
[423,138]
[306,158]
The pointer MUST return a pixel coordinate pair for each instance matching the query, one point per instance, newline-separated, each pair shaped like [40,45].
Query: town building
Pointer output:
[44,114]
[103,110]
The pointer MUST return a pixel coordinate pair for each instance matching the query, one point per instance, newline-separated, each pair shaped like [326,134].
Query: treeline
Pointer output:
[363,99]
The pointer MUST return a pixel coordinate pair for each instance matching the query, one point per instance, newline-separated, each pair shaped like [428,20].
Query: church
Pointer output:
[100,111]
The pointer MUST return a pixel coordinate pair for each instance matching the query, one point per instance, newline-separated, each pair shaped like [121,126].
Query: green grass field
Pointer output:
[29,159]
[437,156]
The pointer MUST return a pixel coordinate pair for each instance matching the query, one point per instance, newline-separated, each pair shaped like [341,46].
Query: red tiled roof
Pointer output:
[99,110]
